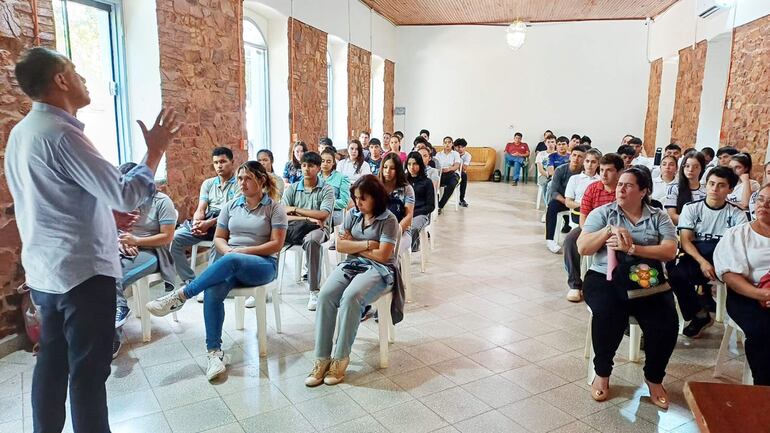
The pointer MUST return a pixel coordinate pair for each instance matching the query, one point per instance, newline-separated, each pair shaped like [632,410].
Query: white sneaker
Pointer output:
[575,295]
[250,302]
[312,302]
[199,297]
[165,304]
[217,364]
[553,247]
[542,220]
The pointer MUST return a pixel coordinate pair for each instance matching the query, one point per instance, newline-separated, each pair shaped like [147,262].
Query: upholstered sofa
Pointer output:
[483,161]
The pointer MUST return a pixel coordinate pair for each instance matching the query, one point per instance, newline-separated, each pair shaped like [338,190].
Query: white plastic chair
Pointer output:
[194,252]
[426,246]
[560,224]
[634,346]
[724,346]
[721,302]
[259,293]
[299,255]
[405,258]
[140,291]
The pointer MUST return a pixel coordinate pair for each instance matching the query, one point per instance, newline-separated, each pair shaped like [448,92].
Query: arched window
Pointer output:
[329,95]
[257,85]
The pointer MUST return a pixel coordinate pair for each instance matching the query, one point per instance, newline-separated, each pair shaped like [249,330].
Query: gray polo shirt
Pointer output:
[63,192]
[384,229]
[654,227]
[156,212]
[251,227]
[321,197]
[216,193]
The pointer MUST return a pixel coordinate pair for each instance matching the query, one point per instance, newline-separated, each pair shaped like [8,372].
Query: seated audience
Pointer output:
[723,157]
[626,139]
[515,154]
[214,193]
[753,199]
[595,195]
[573,141]
[708,154]
[355,165]
[742,261]
[666,176]
[432,173]
[424,133]
[250,233]
[292,172]
[687,187]
[400,196]
[576,185]
[424,195]
[265,157]
[701,225]
[585,141]
[560,157]
[369,238]
[541,164]
[541,145]
[323,143]
[460,144]
[385,138]
[557,201]
[395,147]
[144,251]
[450,166]
[673,150]
[375,155]
[336,180]
[629,228]
[640,155]
[419,143]
[740,163]
[627,152]
[363,139]
[398,134]
[310,199]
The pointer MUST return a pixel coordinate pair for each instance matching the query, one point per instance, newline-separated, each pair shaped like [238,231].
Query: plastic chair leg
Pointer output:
[634,347]
[261,311]
[277,308]
[240,311]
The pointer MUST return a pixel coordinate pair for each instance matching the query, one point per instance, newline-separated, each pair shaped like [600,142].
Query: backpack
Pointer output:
[497,176]
[31,316]
[296,231]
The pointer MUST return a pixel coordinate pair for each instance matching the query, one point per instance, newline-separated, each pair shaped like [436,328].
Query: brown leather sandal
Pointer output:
[658,400]
[599,394]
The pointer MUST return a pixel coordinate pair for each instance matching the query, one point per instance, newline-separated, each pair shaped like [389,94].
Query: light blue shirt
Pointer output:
[63,192]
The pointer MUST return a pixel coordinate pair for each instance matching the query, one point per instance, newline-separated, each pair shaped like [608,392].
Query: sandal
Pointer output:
[600,394]
[658,400]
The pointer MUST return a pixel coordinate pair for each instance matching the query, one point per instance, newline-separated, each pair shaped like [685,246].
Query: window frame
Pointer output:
[266,53]
[118,64]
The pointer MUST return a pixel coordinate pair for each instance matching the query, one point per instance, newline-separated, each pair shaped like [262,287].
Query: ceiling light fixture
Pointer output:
[516,34]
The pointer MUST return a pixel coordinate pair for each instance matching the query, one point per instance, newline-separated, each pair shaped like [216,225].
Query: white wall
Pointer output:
[712,100]
[680,26]
[587,78]
[142,71]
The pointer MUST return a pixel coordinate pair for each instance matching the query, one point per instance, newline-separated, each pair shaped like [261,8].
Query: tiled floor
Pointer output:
[488,345]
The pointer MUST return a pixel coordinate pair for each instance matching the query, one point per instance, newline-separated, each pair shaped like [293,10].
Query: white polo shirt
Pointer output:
[448,159]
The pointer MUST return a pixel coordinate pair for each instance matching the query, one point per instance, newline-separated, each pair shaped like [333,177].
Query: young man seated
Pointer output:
[363,137]
[450,165]
[311,200]
[595,195]
[215,192]
[640,157]
[560,157]
[460,145]
[626,151]
[144,251]
[375,155]
[701,225]
[557,201]
[433,174]
[515,154]
[723,157]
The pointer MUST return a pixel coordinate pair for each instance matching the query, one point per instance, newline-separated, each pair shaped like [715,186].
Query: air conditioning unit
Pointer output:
[706,8]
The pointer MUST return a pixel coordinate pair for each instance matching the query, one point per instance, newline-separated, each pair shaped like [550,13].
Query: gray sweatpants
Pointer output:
[183,238]
[311,244]
[572,259]
[145,263]
[418,223]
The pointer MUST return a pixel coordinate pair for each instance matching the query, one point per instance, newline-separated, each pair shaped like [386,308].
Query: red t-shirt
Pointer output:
[594,197]
[511,148]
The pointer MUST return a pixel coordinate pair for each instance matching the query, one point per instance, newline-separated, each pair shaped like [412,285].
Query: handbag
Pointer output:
[639,277]
[764,283]
[296,231]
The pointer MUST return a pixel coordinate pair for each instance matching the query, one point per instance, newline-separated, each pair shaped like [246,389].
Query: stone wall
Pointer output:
[201,63]
[390,97]
[308,83]
[689,86]
[746,122]
[653,104]
[16,34]
[359,89]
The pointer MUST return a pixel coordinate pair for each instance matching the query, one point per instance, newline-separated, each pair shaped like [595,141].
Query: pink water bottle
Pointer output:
[612,263]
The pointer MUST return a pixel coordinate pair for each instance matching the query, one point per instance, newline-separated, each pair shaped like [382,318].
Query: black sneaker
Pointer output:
[463,204]
[515,182]
[121,315]
[697,325]
[440,211]
[116,345]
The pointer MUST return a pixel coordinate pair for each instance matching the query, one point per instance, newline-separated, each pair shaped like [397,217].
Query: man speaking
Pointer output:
[64,194]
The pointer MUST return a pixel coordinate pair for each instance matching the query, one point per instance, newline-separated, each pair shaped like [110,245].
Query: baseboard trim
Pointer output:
[11,343]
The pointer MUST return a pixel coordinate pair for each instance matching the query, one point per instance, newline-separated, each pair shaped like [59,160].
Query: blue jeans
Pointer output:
[347,296]
[184,238]
[516,162]
[76,331]
[232,270]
